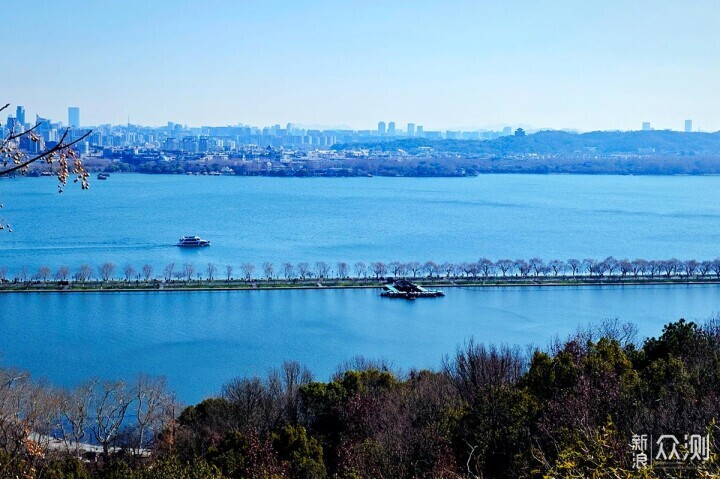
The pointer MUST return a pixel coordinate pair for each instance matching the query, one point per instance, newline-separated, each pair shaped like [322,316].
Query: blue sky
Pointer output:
[446,64]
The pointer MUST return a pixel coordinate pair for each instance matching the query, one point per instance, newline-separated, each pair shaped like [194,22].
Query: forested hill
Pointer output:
[559,142]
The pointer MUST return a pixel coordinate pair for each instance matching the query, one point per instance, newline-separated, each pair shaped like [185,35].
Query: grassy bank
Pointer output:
[278,284]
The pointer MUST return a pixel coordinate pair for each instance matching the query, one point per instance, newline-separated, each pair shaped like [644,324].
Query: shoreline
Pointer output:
[275,285]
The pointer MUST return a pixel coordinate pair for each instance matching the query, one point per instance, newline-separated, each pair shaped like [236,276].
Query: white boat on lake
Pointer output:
[192,241]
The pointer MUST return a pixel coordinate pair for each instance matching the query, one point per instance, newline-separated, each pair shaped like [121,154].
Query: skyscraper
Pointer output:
[411,129]
[646,126]
[20,115]
[391,128]
[74,117]
[688,126]
[381,127]
[419,131]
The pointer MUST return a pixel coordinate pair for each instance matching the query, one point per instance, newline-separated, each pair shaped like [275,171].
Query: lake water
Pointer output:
[137,219]
[201,339]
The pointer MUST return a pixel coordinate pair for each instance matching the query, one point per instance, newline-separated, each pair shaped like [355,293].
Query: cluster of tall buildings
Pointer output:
[178,138]
[175,137]
[688,127]
[417,131]
[46,129]
[388,129]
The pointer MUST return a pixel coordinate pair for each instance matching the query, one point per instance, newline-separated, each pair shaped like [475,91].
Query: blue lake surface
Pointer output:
[137,219]
[201,339]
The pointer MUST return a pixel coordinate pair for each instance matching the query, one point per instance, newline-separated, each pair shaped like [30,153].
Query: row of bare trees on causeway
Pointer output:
[482,269]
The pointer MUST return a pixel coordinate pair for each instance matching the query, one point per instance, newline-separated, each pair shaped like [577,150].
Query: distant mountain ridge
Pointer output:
[664,142]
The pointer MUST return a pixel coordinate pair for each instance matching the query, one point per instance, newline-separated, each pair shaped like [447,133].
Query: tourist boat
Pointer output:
[404,289]
[103,176]
[192,241]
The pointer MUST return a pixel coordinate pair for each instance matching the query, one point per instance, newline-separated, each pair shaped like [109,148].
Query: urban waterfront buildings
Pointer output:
[177,138]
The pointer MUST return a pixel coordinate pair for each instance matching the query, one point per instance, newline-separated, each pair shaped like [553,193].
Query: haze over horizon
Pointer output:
[444,65]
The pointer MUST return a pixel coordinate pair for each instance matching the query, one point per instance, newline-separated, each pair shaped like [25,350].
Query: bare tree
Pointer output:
[536,265]
[431,268]
[504,265]
[590,265]
[292,377]
[476,367]
[625,267]
[83,273]
[396,268]
[303,270]
[601,267]
[147,271]
[24,274]
[268,269]
[106,270]
[150,408]
[43,273]
[128,271]
[611,265]
[169,269]
[188,271]
[690,267]
[669,267]
[288,270]
[360,269]
[342,270]
[414,267]
[715,267]
[448,268]
[228,272]
[522,267]
[704,268]
[653,267]
[557,266]
[574,265]
[323,269]
[211,270]
[379,269]
[110,402]
[639,267]
[247,269]
[26,407]
[485,266]
[75,416]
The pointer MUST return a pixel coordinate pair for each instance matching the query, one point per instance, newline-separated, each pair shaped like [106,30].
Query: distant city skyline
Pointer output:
[445,65]
[383,128]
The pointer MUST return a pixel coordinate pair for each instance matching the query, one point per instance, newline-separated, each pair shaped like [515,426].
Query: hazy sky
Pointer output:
[444,64]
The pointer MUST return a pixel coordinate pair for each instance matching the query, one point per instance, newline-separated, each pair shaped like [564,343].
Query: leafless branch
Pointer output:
[60,146]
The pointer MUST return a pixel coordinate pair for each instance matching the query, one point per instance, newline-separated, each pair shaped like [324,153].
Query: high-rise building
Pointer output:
[419,130]
[20,115]
[391,128]
[381,127]
[646,126]
[688,126]
[74,117]
[411,129]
